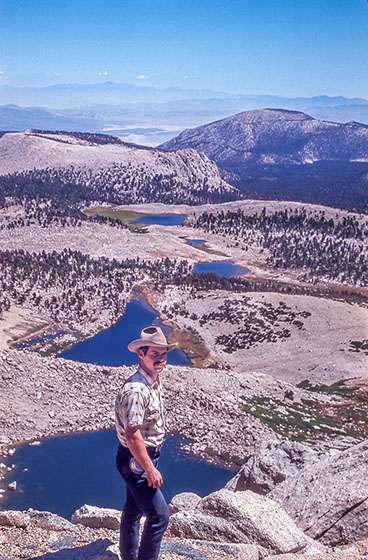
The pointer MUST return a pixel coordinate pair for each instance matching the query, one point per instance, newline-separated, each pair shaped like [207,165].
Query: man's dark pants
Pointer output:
[141,499]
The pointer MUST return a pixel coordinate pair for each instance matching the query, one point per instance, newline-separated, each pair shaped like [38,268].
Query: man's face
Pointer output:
[154,361]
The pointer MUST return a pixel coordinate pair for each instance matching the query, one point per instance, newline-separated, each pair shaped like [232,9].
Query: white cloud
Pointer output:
[185,77]
[142,77]
[55,74]
[105,73]
[2,72]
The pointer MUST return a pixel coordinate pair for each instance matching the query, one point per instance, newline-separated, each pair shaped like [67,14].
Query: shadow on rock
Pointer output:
[97,550]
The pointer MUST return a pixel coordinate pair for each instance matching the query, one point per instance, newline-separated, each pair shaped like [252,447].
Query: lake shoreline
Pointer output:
[75,331]
[44,462]
[23,460]
[187,340]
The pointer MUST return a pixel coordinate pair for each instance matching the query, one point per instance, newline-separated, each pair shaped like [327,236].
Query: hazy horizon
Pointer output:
[228,93]
[297,48]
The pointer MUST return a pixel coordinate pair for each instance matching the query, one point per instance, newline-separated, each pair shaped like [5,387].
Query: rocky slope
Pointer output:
[106,166]
[325,493]
[222,526]
[266,149]
[48,397]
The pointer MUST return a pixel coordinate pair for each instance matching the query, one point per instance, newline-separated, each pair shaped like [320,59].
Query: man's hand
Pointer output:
[139,452]
[154,477]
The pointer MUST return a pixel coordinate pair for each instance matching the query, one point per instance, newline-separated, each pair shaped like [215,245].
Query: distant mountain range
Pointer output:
[282,154]
[148,115]
[266,153]
[66,96]
[14,118]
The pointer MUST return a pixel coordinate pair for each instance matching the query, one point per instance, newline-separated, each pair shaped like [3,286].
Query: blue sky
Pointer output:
[281,47]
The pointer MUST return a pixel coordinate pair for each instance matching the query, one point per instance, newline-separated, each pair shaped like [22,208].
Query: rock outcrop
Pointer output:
[97,518]
[272,463]
[184,501]
[242,517]
[12,518]
[326,494]
[32,517]
[23,536]
[329,499]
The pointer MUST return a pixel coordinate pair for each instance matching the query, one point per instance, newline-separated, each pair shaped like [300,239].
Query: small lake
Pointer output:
[109,347]
[161,219]
[224,269]
[65,472]
[197,241]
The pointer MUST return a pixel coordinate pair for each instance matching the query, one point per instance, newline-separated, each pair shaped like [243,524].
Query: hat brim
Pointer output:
[135,345]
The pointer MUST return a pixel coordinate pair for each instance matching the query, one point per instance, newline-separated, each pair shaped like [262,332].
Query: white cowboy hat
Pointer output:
[151,336]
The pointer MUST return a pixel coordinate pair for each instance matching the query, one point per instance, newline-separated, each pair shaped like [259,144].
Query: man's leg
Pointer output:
[153,505]
[129,528]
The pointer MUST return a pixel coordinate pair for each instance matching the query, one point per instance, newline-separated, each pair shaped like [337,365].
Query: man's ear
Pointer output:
[140,353]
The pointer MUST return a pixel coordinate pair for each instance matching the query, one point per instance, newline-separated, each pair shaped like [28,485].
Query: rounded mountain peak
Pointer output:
[269,115]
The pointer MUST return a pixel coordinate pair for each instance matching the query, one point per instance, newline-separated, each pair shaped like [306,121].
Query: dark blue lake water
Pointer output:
[196,241]
[109,347]
[224,269]
[161,219]
[65,472]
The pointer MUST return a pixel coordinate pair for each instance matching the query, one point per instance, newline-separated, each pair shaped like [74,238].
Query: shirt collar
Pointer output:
[147,377]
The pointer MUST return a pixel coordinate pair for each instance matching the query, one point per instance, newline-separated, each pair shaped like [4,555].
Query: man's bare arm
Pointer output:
[138,450]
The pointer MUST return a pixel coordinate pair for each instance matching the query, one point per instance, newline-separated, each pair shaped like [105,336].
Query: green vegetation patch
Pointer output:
[336,388]
[126,217]
[352,407]
[205,248]
[307,421]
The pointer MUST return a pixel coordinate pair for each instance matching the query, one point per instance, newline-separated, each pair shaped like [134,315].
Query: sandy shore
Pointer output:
[19,322]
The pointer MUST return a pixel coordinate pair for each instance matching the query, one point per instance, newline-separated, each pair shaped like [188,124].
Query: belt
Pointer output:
[154,449]
[150,450]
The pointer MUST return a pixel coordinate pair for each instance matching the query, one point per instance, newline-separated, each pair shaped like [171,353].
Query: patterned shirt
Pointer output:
[139,403]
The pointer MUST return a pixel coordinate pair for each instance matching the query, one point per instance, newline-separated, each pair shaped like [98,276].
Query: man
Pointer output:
[141,429]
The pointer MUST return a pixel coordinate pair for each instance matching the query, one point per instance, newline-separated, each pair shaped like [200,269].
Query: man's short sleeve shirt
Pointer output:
[140,403]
